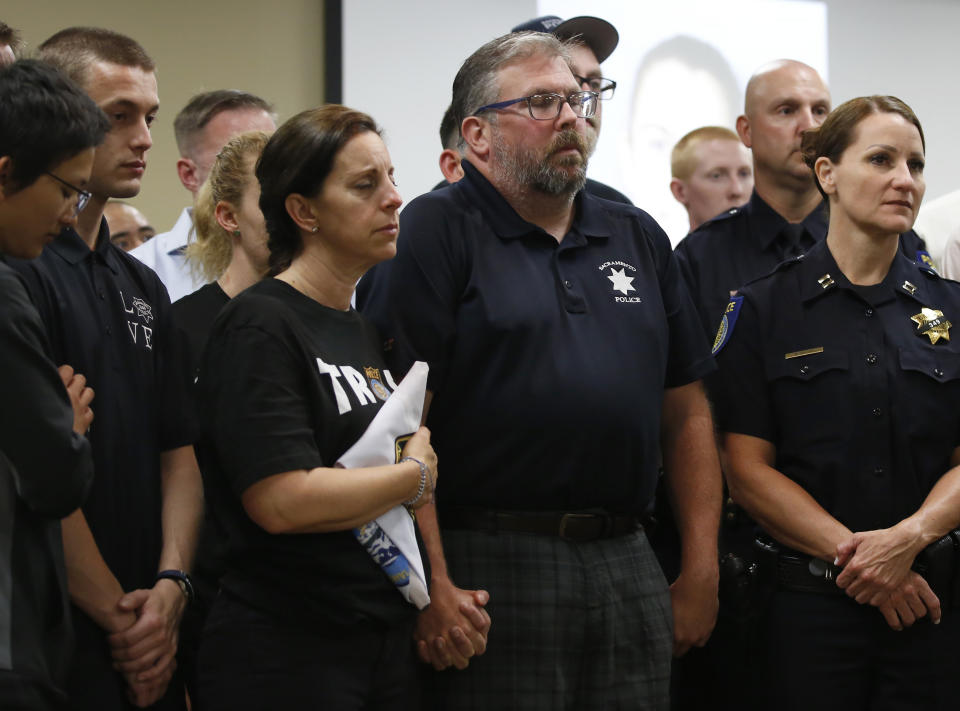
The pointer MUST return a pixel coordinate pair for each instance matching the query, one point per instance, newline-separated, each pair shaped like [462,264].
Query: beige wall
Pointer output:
[273,49]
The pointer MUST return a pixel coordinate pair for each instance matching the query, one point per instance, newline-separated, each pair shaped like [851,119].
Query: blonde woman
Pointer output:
[230,250]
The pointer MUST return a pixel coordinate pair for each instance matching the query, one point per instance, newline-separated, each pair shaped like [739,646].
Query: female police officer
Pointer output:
[837,396]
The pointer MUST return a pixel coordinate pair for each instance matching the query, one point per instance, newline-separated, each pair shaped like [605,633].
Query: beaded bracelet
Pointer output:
[424,472]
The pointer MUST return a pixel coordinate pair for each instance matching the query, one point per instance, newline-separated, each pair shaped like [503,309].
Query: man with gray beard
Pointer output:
[564,352]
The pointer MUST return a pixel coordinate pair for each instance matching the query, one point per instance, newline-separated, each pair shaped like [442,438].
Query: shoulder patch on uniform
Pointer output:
[925,262]
[727,323]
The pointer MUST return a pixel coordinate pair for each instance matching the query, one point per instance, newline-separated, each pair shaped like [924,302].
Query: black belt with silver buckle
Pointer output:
[575,526]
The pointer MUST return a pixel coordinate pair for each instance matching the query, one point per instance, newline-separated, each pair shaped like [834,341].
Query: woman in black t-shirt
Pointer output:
[837,395]
[291,378]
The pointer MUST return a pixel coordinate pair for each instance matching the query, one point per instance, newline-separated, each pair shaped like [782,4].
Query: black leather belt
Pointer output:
[576,526]
[801,573]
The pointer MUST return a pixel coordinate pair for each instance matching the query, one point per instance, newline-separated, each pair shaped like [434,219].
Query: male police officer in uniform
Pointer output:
[564,352]
[785,215]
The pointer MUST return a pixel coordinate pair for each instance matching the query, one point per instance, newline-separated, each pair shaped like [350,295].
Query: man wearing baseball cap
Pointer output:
[597,40]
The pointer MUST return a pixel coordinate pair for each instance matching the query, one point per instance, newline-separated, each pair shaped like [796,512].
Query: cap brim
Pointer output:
[599,35]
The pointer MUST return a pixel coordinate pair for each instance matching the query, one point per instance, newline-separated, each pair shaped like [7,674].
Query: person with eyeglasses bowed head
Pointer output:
[128,551]
[835,395]
[564,352]
[48,131]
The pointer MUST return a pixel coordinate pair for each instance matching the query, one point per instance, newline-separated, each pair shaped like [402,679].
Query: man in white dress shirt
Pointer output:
[202,128]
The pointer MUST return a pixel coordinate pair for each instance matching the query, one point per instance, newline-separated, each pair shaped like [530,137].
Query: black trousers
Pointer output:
[826,652]
[249,660]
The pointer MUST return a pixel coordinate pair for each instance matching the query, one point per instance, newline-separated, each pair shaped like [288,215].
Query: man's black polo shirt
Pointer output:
[548,361]
[594,187]
[746,243]
[107,315]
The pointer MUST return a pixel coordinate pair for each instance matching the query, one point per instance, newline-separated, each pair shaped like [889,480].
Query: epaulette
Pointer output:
[787,263]
[780,267]
[732,212]
[925,263]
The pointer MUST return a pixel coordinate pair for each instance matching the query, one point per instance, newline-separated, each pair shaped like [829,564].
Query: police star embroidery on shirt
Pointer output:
[143,309]
[930,322]
[621,282]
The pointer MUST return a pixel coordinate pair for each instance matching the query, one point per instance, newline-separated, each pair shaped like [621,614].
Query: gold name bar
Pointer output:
[800,354]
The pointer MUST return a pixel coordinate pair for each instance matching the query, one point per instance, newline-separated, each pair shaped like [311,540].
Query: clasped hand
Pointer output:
[145,652]
[877,571]
[454,627]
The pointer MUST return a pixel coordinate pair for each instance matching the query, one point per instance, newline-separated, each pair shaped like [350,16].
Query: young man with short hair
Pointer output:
[107,315]
[202,128]
[712,173]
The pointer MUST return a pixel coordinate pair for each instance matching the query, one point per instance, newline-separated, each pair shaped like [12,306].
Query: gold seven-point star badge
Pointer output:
[930,322]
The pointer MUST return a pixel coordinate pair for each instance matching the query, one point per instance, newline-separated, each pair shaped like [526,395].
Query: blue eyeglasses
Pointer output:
[546,107]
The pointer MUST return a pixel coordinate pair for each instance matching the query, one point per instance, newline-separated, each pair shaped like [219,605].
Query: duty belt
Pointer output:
[938,564]
[802,573]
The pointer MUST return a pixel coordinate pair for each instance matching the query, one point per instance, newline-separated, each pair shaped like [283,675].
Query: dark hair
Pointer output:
[46,119]
[11,38]
[838,131]
[477,84]
[297,159]
[202,108]
[450,131]
[74,49]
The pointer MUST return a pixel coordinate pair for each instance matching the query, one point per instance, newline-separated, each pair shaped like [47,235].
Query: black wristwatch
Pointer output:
[182,579]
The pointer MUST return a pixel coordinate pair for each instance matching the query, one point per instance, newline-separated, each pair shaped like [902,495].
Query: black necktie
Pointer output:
[794,240]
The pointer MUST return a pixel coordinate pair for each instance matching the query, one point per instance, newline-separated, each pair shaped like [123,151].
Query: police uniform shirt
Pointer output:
[748,242]
[855,386]
[107,315]
[547,361]
[288,384]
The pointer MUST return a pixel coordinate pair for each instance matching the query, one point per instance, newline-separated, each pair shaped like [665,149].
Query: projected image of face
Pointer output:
[681,84]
